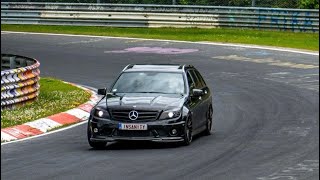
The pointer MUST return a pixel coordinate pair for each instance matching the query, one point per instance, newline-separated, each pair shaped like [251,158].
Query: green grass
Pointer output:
[299,40]
[55,96]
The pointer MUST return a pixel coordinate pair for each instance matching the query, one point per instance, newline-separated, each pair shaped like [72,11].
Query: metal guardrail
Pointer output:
[130,15]
[19,80]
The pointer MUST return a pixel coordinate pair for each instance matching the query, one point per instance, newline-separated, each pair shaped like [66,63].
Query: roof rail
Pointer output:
[184,67]
[129,66]
[181,67]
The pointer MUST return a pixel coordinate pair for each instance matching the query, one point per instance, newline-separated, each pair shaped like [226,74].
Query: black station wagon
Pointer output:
[162,103]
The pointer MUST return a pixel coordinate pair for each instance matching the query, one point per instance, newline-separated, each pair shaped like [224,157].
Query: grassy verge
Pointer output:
[299,40]
[55,96]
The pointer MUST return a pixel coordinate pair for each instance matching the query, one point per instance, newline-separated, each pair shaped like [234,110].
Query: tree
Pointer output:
[309,4]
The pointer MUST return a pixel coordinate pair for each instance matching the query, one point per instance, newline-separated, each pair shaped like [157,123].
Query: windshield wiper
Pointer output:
[154,92]
[151,92]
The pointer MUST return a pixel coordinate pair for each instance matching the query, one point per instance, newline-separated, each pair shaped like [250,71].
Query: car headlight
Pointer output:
[101,113]
[169,114]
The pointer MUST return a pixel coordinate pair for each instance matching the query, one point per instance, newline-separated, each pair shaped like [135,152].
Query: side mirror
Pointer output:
[102,91]
[197,92]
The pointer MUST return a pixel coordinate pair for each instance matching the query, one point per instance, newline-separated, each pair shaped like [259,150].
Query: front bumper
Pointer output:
[158,131]
[160,139]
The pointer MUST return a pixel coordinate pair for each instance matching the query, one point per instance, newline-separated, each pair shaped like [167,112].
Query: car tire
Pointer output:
[187,137]
[95,145]
[207,131]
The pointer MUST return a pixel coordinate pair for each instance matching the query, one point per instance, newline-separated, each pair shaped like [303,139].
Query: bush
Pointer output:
[309,4]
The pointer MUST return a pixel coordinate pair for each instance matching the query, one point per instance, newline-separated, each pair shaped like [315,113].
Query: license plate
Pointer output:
[130,126]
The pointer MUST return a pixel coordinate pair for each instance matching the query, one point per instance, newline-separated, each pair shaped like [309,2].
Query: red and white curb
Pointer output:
[43,125]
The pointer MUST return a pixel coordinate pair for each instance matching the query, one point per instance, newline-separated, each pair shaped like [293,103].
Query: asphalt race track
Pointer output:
[266,113]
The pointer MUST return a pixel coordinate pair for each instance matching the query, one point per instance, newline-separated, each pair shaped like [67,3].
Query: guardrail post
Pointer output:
[12,62]
[174,2]
[23,63]
[253,4]
[98,1]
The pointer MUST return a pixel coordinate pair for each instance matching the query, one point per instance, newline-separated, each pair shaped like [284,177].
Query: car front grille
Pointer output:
[123,115]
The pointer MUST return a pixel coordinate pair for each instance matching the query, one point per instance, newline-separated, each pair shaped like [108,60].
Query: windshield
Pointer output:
[149,82]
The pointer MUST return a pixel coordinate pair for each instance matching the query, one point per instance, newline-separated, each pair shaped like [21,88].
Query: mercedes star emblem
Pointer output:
[133,115]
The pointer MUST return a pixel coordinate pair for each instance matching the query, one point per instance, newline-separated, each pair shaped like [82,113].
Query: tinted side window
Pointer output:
[196,80]
[201,79]
[190,80]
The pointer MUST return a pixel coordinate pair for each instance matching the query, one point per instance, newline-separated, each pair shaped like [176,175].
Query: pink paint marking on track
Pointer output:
[154,50]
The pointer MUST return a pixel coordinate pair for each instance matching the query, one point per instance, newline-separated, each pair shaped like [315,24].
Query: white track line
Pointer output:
[161,40]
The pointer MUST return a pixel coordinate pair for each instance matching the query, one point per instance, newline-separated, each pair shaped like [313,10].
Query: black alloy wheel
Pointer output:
[187,138]
[209,122]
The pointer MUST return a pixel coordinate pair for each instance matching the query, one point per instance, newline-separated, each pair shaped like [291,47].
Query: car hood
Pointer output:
[143,100]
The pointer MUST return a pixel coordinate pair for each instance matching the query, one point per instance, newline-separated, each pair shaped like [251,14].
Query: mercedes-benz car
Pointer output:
[160,103]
